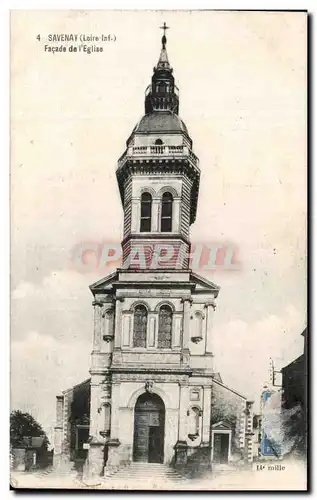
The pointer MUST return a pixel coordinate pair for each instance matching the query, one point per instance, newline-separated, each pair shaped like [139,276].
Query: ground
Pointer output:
[292,477]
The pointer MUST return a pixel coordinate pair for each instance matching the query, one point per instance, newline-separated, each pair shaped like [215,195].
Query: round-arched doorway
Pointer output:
[149,429]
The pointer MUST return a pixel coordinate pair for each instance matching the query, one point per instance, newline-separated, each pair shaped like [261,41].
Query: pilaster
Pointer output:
[152,329]
[176,215]
[155,214]
[210,308]
[118,321]
[97,325]
[113,442]
[183,406]
[206,414]
[135,215]
[187,301]
[96,427]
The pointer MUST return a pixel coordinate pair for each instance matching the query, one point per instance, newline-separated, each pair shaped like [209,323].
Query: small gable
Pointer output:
[104,284]
[223,425]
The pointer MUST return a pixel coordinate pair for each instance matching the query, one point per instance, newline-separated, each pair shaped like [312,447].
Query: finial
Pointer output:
[164,28]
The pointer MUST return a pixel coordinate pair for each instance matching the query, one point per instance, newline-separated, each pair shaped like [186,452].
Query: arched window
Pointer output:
[139,326]
[165,327]
[146,212]
[159,142]
[166,213]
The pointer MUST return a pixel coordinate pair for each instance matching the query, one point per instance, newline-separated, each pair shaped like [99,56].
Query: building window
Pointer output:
[146,212]
[166,213]
[140,326]
[165,328]
[159,142]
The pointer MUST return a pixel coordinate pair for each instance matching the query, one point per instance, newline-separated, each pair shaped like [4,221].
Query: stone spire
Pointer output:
[163,62]
[162,94]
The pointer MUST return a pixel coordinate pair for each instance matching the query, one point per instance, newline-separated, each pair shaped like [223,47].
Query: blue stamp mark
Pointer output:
[268,446]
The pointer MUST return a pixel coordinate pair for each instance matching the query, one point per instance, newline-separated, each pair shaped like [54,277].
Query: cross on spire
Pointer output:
[164,28]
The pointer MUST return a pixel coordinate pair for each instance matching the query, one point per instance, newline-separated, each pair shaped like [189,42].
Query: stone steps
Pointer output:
[143,476]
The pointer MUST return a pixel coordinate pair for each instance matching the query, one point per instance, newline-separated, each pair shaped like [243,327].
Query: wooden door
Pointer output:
[149,419]
[221,448]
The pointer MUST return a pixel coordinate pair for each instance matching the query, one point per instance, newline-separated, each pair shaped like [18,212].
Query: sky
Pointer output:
[242,81]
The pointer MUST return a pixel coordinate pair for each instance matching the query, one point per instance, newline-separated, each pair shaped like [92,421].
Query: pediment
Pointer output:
[222,426]
[204,285]
[217,376]
[105,283]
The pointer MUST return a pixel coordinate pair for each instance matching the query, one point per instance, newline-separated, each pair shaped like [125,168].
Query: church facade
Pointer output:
[153,393]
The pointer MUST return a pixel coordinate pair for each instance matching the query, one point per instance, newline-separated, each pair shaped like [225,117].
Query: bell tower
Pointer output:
[153,316]
[158,178]
[153,387]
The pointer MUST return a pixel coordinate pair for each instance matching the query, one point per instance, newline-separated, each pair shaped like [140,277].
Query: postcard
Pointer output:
[158,250]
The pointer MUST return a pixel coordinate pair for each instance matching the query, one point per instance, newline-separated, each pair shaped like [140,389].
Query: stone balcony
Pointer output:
[159,152]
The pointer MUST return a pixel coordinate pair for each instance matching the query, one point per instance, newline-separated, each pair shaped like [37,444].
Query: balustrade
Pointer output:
[158,150]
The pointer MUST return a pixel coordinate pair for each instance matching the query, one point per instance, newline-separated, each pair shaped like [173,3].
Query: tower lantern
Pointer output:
[162,94]
[158,176]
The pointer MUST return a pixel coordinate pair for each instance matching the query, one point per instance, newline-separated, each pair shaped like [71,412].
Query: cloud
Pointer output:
[51,341]
[243,350]
[41,367]
[59,306]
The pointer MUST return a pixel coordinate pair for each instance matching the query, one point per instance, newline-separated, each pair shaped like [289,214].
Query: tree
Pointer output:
[23,427]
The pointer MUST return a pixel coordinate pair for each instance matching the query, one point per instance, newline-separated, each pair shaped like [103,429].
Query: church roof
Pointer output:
[221,384]
[160,122]
[76,386]
[201,284]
